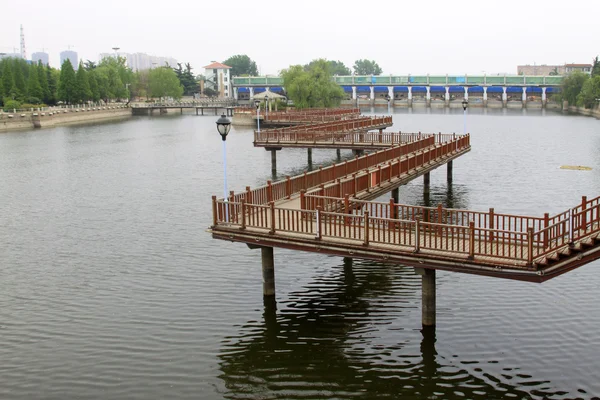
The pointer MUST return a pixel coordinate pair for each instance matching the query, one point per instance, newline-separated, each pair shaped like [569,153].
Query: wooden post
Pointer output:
[303,199]
[471,240]
[272,205]
[440,218]
[288,187]
[529,246]
[417,236]
[243,215]
[584,213]
[546,233]
[366,228]
[347,208]
[214,205]
[319,233]
[492,224]
[248,195]
[269,191]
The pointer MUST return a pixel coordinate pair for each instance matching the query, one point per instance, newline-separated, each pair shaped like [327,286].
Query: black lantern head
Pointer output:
[223,126]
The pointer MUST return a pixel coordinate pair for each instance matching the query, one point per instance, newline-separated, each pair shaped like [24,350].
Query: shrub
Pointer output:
[9,105]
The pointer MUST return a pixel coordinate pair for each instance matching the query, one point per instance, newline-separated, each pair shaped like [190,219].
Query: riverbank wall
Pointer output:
[585,111]
[60,116]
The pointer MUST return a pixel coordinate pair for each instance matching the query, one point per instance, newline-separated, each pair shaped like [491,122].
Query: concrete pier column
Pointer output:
[410,96]
[353,92]
[251,92]
[372,95]
[358,152]
[391,94]
[504,98]
[274,161]
[485,101]
[544,97]
[347,262]
[268,270]
[524,98]
[427,296]
[396,195]
[235,93]
[338,154]
[426,180]
[428,97]
[466,93]
[309,156]
[447,97]
[449,172]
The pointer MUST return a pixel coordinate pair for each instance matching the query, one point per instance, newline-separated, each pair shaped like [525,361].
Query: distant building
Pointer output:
[585,68]
[40,56]
[540,69]
[9,55]
[553,69]
[142,61]
[218,79]
[71,56]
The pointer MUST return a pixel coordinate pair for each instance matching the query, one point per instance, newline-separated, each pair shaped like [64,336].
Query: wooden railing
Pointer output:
[318,131]
[413,228]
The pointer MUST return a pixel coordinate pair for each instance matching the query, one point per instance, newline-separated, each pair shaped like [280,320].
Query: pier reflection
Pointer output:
[345,336]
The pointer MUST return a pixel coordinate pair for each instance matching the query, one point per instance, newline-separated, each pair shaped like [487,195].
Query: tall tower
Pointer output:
[23,50]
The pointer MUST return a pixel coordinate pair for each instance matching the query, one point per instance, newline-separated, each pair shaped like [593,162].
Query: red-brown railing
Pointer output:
[293,185]
[415,228]
[362,124]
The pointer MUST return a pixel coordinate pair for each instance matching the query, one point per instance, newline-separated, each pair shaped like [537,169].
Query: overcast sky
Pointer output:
[416,37]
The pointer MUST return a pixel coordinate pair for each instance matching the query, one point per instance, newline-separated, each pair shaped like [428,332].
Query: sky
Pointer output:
[418,37]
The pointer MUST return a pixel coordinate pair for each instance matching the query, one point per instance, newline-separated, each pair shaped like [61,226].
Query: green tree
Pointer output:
[35,93]
[554,72]
[163,82]
[366,67]
[83,92]
[52,76]
[241,64]
[94,90]
[571,86]
[8,81]
[19,74]
[67,83]
[335,67]
[312,88]
[43,80]
[590,93]
[596,67]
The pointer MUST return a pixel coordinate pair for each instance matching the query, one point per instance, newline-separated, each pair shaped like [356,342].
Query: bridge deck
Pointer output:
[326,211]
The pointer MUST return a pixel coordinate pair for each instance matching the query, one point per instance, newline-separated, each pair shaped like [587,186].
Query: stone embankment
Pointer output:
[60,116]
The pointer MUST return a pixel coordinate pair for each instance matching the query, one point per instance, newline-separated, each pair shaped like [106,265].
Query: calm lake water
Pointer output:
[110,286]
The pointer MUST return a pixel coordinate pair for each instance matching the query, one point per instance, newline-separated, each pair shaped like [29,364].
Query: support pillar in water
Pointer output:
[449,171]
[427,296]
[268,271]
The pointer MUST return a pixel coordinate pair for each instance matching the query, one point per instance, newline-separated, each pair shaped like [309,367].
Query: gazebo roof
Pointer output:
[270,95]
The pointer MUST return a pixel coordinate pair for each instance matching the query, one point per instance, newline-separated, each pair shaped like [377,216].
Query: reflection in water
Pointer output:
[343,337]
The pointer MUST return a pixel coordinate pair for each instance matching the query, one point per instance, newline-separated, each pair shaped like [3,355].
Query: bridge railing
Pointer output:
[340,127]
[426,79]
[293,185]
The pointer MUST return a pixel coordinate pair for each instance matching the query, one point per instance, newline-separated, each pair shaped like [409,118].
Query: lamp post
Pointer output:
[465,104]
[223,127]
[257,105]
[266,107]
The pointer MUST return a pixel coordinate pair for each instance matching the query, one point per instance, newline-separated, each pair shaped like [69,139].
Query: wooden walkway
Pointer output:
[328,211]
[347,133]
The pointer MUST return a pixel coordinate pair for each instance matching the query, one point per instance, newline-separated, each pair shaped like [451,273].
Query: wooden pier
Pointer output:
[330,211]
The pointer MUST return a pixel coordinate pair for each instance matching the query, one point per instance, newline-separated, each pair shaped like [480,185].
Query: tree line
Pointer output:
[581,89]
[26,85]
